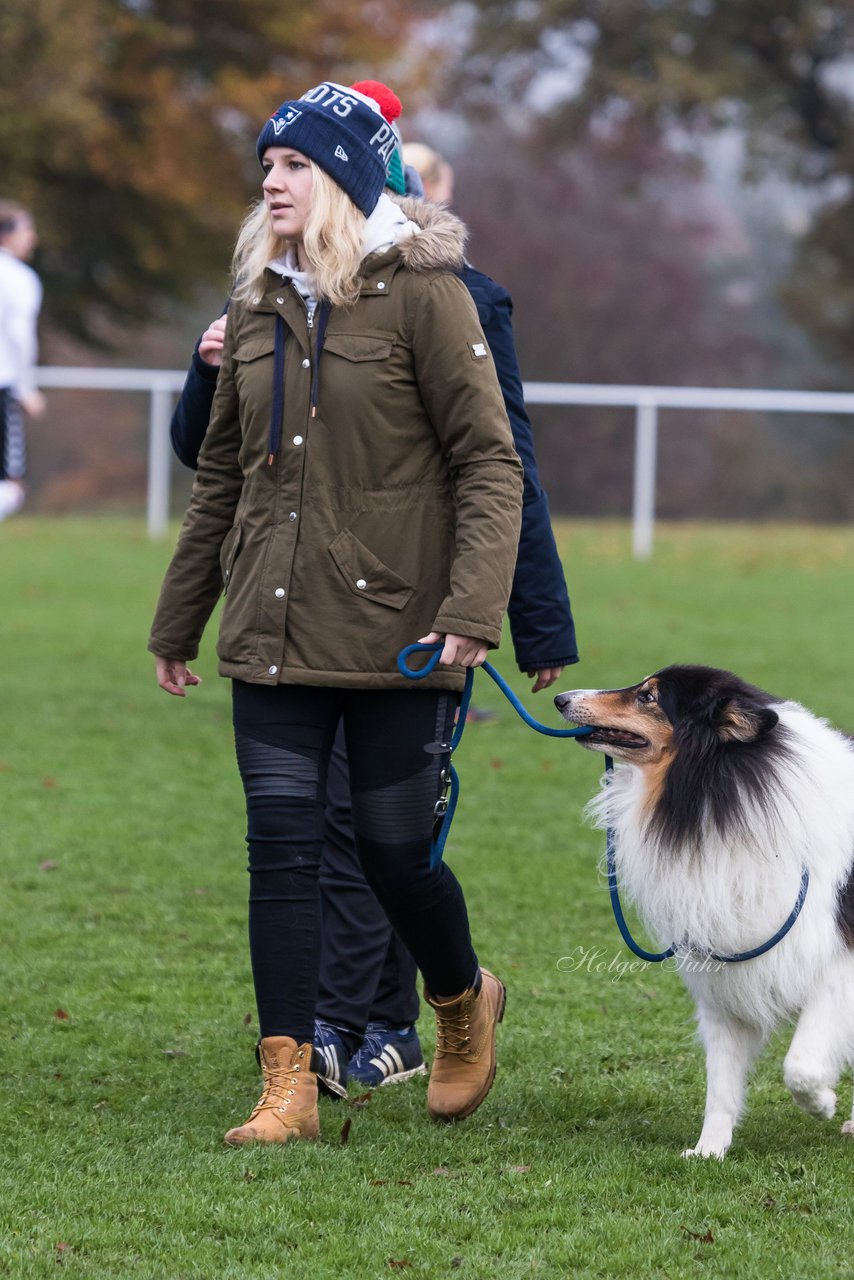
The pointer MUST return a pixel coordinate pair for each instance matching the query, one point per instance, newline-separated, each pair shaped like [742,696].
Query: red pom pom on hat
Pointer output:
[387,101]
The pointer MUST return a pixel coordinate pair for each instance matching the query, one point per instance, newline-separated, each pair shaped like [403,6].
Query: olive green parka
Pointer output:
[393,512]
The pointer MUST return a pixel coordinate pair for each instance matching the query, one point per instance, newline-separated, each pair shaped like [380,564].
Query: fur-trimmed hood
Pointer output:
[439,241]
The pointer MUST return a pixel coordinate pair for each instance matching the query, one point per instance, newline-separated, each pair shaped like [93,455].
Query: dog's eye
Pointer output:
[646,695]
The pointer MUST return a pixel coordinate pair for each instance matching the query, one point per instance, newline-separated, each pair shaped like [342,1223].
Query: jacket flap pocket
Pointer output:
[367,576]
[359,346]
[254,348]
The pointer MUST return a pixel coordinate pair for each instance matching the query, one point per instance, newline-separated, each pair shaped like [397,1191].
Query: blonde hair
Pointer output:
[331,244]
[425,161]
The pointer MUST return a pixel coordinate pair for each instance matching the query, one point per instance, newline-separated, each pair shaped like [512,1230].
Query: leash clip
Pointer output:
[440,808]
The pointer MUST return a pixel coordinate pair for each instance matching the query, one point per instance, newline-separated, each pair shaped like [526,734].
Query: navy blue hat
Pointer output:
[343,131]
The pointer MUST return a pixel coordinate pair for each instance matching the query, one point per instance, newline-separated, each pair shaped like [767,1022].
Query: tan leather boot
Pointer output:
[287,1107]
[464,1065]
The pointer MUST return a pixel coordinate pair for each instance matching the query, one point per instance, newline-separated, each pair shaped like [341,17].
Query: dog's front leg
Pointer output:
[823,1041]
[731,1047]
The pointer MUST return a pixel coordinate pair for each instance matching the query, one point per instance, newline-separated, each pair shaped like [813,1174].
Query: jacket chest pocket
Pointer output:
[359,348]
[253,365]
[366,575]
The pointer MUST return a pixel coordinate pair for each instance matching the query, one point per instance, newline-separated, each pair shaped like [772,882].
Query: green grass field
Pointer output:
[127,1025]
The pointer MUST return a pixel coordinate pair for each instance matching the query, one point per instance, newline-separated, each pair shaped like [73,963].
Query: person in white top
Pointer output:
[20,302]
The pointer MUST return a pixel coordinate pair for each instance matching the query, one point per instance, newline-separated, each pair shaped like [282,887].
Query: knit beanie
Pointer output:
[342,130]
[389,105]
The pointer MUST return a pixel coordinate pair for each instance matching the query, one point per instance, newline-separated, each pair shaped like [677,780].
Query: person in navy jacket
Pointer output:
[368,1001]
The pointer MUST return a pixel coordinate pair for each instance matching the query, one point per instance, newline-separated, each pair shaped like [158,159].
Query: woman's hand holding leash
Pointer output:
[459,651]
[173,675]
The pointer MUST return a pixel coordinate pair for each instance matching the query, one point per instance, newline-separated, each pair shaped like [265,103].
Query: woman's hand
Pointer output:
[173,675]
[544,677]
[459,651]
[210,343]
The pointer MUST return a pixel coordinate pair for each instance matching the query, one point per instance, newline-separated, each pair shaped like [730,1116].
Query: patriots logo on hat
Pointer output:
[341,153]
[281,122]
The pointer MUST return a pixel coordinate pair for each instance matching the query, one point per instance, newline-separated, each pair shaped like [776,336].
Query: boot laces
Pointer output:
[280,1085]
[453,1029]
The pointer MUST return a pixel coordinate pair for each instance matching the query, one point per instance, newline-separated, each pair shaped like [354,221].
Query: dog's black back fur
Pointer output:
[728,746]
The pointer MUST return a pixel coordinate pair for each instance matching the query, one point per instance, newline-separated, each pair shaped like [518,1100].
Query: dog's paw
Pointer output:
[706,1151]
[848,1129]
[818,1102]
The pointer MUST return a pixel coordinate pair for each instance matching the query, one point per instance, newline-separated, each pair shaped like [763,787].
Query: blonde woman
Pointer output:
[357,490]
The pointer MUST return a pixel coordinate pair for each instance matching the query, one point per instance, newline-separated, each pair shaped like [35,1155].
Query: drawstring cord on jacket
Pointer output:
[277,409]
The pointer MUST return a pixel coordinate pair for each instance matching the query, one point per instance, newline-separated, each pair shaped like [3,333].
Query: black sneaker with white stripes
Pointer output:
[387,1055]
[329,1060]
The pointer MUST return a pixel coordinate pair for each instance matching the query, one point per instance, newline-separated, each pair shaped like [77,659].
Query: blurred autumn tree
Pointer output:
[127,126]
[778,71]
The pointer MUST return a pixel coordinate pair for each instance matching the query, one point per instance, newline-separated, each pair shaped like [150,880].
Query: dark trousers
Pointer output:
[284,737]
[366,972]
[13,447]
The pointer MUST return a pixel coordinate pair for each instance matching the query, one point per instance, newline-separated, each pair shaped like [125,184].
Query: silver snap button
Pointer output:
[306,364]
[380,285]
[272,670]
[280,591]
[292,516]
[280,300]
[361,584]
[297,439]
[255,301]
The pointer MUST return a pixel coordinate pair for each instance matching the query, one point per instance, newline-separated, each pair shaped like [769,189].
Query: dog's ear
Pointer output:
[742,721]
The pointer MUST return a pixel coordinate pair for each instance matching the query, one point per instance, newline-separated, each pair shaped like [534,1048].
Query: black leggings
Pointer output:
[284,735]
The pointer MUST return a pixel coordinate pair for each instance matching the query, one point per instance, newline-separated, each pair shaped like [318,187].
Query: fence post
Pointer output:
[643,504]
[159,457]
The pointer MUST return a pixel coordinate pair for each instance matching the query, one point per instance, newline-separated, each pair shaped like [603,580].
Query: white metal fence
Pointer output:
[163,384]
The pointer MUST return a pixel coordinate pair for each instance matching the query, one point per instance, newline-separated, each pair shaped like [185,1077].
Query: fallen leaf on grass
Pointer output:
[706,1238]
[62,1250]
[48,865]
[441,1173]
[496,764]
[247,1018]
[519,1168]
[50,783]
[61,1015]
[399,1262]
[363,1100]
[345,1131]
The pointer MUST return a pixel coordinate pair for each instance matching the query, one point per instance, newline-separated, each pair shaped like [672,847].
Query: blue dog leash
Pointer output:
[447,803]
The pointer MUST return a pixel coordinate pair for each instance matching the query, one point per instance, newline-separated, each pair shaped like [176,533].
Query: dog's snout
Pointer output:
[562,700]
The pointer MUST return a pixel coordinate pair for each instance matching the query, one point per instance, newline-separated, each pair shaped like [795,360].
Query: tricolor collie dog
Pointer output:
[721,798]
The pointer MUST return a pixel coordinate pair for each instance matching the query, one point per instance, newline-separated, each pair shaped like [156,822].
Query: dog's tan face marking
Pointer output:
[627,723]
